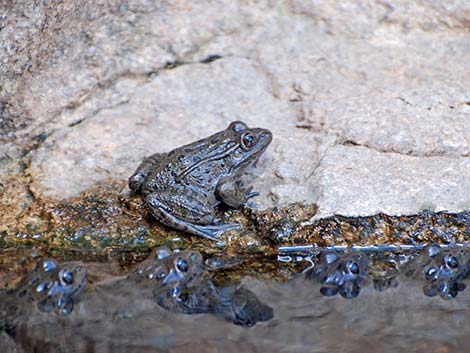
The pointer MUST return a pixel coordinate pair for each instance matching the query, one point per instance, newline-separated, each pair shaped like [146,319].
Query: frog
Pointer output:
[184,187]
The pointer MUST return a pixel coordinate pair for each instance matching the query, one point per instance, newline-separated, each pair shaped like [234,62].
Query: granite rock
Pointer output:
[355,180]
[369,102]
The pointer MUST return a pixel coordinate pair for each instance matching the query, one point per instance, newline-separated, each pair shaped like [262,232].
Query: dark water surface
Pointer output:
[344,303]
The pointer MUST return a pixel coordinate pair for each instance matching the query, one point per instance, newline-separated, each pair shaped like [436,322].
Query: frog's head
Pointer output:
[250,144]
[230,150]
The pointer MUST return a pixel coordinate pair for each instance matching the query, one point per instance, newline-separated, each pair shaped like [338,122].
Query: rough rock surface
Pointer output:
[357,186]
[369,102]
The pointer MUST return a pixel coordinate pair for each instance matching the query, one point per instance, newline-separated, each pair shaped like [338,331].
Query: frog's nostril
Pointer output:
[265,135]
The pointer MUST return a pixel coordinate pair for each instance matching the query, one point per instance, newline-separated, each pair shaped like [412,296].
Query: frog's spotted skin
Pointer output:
[182,188]
[53,286]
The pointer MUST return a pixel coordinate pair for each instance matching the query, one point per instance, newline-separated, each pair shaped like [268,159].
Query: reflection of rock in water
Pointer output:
[134,313]
[176,279]
[173,280]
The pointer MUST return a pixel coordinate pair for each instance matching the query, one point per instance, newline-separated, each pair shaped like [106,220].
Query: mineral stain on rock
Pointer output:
[424,228]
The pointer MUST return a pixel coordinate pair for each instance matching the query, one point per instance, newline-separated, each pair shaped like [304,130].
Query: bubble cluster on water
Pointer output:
[53,286]
[443,270]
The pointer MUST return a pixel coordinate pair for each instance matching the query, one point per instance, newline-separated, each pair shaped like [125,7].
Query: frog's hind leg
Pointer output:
[194,222]
[136,180]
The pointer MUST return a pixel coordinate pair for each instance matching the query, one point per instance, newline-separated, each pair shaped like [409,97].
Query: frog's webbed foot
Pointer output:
[161,207]
[233,194]
[136,180]
[214,232]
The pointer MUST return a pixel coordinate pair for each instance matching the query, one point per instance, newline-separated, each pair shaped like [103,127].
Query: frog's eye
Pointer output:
[237,126]
[451,261]
[248,140]
[66,277]
[353,267]
[182,265]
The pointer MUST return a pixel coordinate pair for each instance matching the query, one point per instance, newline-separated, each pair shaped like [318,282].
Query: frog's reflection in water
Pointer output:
[180,285]
[176,281]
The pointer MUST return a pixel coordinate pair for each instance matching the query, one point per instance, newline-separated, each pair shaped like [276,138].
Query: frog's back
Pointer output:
[198,165]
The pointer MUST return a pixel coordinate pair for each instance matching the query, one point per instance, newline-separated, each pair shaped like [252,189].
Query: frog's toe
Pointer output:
[251,194]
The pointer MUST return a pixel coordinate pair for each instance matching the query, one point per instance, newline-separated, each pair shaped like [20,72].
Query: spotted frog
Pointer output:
[182,188]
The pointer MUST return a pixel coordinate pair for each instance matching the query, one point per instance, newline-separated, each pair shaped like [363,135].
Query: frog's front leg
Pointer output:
[187,210]
[136,180]
[233,194]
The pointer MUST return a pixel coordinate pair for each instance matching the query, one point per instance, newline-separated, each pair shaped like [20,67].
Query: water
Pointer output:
[119,313]
[397,321]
